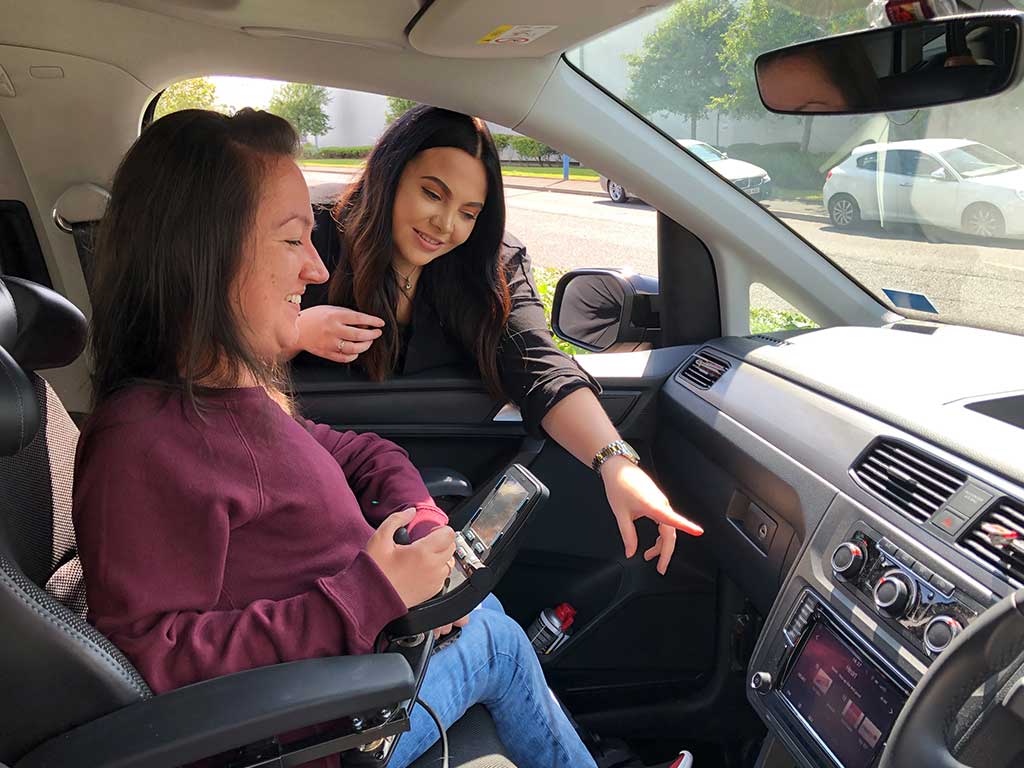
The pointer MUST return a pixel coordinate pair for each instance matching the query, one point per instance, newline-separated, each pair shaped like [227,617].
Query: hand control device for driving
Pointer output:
[484,548]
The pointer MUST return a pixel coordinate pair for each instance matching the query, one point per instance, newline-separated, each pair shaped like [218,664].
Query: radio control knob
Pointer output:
[892,595]
[847,560]
[940,633]
[761,682]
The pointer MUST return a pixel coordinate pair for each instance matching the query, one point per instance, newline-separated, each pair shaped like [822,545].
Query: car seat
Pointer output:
[69,696]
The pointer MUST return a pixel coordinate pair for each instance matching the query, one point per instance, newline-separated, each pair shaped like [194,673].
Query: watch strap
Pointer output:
[615,448]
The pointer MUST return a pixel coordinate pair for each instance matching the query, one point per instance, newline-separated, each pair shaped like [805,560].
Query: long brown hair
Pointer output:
[171,246]
[468,287]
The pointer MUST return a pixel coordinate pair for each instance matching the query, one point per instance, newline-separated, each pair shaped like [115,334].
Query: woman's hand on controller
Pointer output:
[417,571]
[337,333]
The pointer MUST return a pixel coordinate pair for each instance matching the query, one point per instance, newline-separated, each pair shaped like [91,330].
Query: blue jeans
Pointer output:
[492,663]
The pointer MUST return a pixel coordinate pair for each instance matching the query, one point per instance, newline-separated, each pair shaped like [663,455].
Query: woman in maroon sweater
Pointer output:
[217,530]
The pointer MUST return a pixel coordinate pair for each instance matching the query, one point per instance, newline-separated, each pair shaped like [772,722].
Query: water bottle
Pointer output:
[550,630]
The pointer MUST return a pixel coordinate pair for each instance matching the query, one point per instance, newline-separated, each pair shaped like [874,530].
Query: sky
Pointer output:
[244,91]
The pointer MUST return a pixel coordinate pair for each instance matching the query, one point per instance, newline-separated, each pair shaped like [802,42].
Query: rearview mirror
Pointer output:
[598,309]
[924,64]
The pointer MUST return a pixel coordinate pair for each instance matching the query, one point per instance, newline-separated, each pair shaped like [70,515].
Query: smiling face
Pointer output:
[439,196]
[279,262]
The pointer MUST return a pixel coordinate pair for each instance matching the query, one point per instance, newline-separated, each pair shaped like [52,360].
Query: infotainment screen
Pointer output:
[499,510]
[843,697]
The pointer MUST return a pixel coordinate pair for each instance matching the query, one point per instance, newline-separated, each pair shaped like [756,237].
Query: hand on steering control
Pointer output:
[631,495]
[417,571]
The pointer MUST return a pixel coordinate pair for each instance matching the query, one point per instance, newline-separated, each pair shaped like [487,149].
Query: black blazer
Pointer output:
[535,373]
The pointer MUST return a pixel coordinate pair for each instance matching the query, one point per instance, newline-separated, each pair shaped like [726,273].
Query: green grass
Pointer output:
[765,320]
[339,161]
[546,172]
[536,171]
[799,195]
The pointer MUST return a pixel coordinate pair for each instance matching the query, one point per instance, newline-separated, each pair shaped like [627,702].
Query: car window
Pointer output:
[704,152]
[586,220]
[688,69]
[868,162]
[906,162]
[978,160]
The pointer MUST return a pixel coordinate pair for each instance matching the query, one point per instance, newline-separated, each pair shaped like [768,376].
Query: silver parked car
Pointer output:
[752,179]
[954,184]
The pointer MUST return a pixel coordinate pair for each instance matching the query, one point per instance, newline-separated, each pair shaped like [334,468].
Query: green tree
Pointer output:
[762,25]
[527,147]
[197,93]
[397,107]
[678,68]
[302,105]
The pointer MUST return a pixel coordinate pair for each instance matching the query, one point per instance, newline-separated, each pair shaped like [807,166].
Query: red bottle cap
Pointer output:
[566,615]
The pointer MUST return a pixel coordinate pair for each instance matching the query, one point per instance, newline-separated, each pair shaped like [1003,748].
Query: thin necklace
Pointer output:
[408,282]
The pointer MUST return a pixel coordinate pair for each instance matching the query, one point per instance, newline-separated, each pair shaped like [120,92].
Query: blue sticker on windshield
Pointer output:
[908,300]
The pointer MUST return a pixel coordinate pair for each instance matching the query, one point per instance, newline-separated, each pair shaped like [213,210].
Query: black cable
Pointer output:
[440,728]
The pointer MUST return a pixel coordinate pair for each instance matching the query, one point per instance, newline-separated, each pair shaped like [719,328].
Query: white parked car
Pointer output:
[955,184]
[752,179]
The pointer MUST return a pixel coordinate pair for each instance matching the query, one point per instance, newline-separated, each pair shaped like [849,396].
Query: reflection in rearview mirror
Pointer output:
[883,70]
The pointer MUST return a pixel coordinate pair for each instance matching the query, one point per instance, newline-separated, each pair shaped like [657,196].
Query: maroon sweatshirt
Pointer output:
[236,539]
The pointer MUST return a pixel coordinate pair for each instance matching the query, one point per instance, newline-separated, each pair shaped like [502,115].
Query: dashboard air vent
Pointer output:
[998,540]
[909,480]
[770,339]
[703,370]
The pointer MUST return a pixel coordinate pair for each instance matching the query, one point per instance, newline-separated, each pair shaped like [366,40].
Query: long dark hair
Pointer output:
[468,286]
[170,247]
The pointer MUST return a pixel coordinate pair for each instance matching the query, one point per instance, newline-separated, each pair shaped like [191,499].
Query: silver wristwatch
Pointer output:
[617,448]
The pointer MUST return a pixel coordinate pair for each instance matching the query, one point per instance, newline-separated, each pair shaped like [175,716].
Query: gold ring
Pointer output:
[341,345]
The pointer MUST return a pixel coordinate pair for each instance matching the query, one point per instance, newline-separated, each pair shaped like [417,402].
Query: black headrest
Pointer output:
[19,409]
[39,327]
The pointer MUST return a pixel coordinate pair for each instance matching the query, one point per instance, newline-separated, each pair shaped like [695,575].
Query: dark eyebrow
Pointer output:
[448,192]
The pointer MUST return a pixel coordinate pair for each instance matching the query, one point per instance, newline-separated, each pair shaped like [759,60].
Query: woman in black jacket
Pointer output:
[424,275]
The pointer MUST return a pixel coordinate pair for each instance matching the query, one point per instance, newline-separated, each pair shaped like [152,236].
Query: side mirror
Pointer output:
[598,309]
[941,175]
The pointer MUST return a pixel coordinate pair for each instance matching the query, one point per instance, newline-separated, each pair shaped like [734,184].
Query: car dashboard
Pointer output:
[867,494]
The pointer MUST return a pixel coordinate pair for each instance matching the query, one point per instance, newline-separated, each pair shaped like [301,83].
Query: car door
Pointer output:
[573,552]
[933,191]
[897,185]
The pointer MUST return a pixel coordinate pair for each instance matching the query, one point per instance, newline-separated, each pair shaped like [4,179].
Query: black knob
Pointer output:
[402,535]
[761,682]
[847,560]
[940,633]
[892,595]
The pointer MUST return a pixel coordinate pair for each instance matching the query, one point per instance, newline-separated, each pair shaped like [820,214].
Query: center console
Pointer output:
[864,611]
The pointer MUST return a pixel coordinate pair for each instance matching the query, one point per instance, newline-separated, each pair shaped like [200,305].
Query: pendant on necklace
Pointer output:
[408,285]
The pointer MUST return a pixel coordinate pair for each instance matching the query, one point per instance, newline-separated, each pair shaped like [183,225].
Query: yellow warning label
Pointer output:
[494,34]
[515,34]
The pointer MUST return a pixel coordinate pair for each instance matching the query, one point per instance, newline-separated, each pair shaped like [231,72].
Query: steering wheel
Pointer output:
[986,647]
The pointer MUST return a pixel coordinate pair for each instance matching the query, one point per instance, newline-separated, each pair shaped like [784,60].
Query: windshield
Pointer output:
[978,160]
[704,152]
[911,234]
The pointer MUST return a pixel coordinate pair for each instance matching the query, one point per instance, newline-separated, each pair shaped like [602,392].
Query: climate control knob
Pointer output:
[847,560]
[892,595]
[940,633]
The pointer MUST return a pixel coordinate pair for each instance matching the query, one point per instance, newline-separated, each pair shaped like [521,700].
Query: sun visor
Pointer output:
[493,29]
